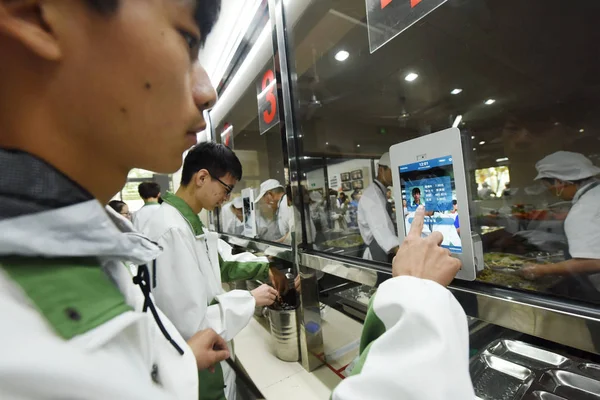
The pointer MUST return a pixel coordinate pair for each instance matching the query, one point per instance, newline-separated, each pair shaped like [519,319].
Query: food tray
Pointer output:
[571,385]
[527,355]
[515,370]
[497,379]
[357,297]
[503,269]
[345,242]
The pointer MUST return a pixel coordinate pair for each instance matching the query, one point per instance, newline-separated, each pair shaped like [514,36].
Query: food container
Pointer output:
[515,370]
[355,301]
[503,269]
[284,333]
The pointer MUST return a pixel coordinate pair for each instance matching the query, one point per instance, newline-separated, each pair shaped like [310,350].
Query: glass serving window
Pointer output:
[520,79]
[261,152]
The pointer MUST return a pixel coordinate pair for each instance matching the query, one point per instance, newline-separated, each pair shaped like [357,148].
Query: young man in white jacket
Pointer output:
[150,193]
[91,73]
[188,275]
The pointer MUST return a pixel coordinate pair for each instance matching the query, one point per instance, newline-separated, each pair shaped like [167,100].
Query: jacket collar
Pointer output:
[186,211]
[51,216]
[584,189]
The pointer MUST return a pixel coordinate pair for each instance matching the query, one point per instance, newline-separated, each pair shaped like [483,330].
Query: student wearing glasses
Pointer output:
[194,262]
[121,208]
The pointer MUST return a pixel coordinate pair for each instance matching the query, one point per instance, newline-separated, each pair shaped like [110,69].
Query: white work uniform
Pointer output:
[230,221]
[188,280]
[285,218]
[116,359]
[141,216]
[423,353]
[266,227]
[582,226]
[374,222]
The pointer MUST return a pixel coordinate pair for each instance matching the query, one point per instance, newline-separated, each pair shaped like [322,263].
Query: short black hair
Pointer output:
[454,202]
[149,190]
[218,159]
[117,205]
[206,15]
[415,191]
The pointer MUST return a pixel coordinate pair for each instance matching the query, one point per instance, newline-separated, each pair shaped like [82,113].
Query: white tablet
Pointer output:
[430,171]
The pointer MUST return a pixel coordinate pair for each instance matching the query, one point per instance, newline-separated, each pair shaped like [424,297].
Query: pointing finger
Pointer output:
[416,227]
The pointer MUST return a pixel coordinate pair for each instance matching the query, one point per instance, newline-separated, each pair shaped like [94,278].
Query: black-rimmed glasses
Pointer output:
[228,188]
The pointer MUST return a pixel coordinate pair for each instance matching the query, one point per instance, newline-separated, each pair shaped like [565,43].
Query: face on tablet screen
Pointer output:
[430,183]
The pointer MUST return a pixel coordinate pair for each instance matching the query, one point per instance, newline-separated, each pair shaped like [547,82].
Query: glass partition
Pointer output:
[261,152]
[520,79]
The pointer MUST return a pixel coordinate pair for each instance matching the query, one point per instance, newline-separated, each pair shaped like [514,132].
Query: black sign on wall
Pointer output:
[266,96]
[389,18]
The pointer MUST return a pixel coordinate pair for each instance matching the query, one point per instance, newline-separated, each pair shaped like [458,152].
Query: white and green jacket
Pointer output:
[414,346]
[187,283]
[71,325]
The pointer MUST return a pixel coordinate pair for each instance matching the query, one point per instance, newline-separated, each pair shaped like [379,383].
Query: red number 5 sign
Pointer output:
[266,89]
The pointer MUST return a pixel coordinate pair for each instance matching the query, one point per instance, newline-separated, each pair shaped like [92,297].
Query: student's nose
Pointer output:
[203,92]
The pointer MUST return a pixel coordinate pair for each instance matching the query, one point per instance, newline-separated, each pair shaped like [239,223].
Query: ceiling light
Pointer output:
[457,121]
[358,145]
[474,149]
[502,159]
[342,55]
[411,77]
[472,137]
[456,91]
[582,130]
[326,143]
[482,143]
[489,102]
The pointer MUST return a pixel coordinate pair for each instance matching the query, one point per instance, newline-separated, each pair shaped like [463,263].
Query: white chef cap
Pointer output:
[566,166]
[385,160]
[238,202]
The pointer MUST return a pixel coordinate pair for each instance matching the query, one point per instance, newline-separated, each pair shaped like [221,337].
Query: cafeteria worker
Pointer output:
[573,177]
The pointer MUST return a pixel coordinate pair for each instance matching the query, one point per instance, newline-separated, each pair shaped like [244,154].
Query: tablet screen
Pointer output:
[431,183]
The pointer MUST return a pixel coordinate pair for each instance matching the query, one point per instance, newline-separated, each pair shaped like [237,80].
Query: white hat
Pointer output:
[316,196]
[238,202]
[385,160]
[566,166]
[267,185]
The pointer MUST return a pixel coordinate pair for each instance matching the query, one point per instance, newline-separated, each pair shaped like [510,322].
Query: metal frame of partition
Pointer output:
[309,315]
[534,314]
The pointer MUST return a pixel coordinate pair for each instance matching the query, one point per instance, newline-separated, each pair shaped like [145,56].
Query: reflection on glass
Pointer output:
[260,152]
[232,215]
[374,216]
[274,212]
[465,53]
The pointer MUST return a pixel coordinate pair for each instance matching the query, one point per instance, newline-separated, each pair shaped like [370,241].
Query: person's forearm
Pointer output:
[573,266]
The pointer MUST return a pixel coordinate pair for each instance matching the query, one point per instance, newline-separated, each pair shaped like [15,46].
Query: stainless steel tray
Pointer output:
[357,297]
[497,379]
[527,355]
[571,385]
[515,370]
[542,395]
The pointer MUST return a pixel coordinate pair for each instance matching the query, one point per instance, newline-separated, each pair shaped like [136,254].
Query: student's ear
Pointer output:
[28,22]
[201,176]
